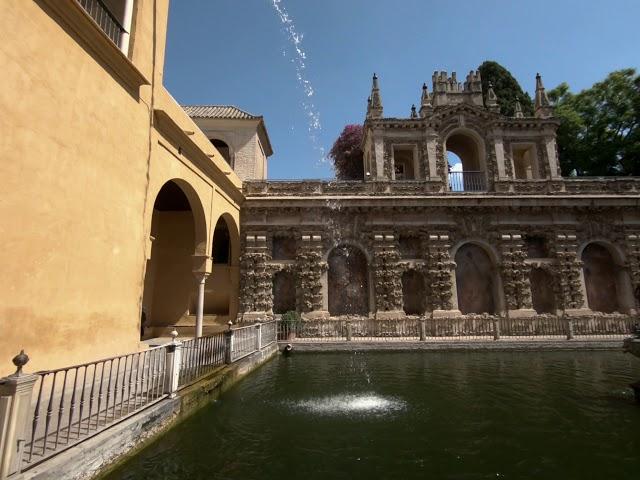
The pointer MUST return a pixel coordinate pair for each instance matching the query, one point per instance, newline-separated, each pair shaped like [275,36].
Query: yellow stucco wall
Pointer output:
[80,166]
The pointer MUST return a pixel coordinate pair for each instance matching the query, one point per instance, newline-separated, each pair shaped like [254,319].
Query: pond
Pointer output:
[474,415]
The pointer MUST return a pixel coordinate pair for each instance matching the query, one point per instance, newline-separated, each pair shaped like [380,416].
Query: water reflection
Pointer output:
[554,415]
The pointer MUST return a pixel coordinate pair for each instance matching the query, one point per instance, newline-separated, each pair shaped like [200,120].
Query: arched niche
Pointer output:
[284,292]
[606,281]
[413,293]
[177,228]
[542,293]
[469,175]
[348,281]
[477,283]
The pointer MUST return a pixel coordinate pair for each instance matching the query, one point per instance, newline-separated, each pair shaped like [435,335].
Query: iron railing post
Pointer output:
[228,345]
[423,329]
[258,337]
[15,404]
[173,367]
[348,327]
[496,328]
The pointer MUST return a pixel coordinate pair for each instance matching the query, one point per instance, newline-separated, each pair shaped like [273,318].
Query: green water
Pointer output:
[418,415]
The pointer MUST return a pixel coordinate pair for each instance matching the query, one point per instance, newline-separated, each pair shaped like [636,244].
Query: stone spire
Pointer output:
[413,111]
[518,110]
[492,99]
[374,109]
[543,107]
[425,101]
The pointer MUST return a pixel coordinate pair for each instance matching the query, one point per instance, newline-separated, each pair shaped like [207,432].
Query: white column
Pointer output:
[550,145]
[126,24]
[202,278]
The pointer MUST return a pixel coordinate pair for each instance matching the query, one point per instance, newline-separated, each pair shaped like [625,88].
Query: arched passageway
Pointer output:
[284,292]
[169,282]
[542,294]
[221,287]
[475,280]
[600,272]
[348,281]
[465,162]
[413,293]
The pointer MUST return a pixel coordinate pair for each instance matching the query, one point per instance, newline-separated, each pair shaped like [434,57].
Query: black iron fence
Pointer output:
[467,181]
[75,403]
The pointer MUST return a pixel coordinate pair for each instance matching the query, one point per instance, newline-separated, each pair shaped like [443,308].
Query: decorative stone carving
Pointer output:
[567,271]
[515,273]
[439,269]
[310,267]
[387,272]
[256,277]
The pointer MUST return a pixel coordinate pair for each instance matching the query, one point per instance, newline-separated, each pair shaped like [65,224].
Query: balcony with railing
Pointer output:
[113,17]
[467,181]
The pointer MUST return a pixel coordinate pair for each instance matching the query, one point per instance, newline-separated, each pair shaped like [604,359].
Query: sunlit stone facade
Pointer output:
[507,236]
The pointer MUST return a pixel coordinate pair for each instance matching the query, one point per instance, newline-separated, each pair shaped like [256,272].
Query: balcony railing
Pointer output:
[105,19]
[467,181]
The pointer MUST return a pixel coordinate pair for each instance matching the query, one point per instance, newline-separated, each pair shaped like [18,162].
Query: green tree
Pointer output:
[506,87]
[347,155]
[599,131]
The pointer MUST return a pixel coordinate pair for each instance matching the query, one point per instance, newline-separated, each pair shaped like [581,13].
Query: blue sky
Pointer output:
[239,52]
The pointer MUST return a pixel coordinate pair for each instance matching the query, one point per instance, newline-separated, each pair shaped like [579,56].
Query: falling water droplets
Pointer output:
[314,126]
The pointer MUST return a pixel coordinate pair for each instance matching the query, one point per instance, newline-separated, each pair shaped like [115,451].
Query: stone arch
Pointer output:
[178,231]
[606,282]
[469,147]
[478,286]
[284,292]
[348,280]
[221,290]
[413,292]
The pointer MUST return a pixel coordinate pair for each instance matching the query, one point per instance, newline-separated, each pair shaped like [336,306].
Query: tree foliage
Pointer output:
[506,88]
[347,155]
[599,131]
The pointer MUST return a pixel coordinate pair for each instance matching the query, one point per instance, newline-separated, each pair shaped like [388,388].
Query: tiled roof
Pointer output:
[218,111]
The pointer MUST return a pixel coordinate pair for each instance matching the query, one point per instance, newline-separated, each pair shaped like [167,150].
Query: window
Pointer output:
[525,166]
[224,150]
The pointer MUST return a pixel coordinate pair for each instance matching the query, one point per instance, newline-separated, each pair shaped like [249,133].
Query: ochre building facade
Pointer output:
[504,236]
[114,201]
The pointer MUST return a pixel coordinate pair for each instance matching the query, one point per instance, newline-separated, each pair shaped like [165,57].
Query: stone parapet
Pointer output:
[560,186]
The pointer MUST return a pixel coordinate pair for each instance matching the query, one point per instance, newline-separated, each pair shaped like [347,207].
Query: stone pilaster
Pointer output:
[440,269]
[310,268]
[256,285]
[568,272]
[387,272]
[515,276]
[632,247]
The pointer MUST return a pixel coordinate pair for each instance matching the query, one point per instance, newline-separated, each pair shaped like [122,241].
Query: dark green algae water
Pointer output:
[547,415]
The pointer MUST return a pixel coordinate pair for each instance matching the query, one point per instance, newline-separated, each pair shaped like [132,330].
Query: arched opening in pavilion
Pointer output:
[476,280]
[224,150]
[348,281]
[177,233]
[465,163]
[413,293]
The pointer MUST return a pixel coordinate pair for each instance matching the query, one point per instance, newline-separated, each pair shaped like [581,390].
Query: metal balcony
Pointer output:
[467,181]
[105,19]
